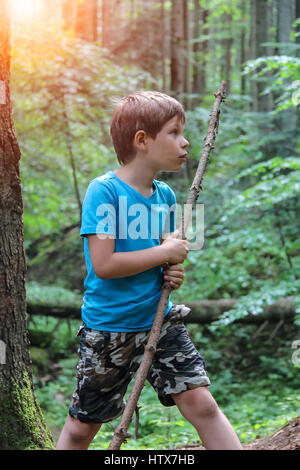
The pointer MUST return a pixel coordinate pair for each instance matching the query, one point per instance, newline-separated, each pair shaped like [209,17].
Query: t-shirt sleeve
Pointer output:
[98,210]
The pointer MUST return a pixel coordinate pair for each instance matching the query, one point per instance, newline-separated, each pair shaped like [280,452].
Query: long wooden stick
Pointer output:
[121,430]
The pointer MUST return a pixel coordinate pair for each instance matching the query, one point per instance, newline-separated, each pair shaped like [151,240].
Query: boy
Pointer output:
[124,256]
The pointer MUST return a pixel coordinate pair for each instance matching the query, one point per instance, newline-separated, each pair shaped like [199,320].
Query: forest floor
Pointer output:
[287,438]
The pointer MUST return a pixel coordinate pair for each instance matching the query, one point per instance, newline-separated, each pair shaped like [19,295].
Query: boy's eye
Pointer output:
[174,131]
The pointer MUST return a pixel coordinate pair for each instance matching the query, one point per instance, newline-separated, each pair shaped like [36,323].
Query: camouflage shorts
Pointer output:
[109,360]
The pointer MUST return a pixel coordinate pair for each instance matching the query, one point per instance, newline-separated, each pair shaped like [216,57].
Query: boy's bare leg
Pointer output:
[201,410]
[77,435]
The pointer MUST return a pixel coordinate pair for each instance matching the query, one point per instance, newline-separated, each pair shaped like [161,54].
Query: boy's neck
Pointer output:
[140,178]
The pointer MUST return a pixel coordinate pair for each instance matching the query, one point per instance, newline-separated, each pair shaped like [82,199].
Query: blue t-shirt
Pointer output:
[113,207]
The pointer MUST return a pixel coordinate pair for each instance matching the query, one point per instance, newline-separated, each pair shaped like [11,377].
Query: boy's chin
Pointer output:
[172,169]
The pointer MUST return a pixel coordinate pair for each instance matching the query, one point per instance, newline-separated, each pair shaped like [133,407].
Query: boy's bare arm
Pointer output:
[108,264]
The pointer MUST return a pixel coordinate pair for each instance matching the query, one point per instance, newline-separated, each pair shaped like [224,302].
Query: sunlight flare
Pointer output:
[25,10]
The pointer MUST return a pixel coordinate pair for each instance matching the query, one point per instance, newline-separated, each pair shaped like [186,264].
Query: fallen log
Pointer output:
[207,311]
[202,312]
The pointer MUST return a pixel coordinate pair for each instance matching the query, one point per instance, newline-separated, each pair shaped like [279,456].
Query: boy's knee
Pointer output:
[79,431]
[198,403]
[207,408]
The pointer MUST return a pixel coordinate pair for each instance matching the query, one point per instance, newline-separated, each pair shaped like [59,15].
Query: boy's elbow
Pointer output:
[102,271]
[102,274]
[103,266]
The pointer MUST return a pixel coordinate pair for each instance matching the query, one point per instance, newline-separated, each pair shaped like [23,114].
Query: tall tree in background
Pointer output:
[259,36]
[196,49]
[284,23]
[204,49]
[108,11]
[69,14]
[177,47]
[297,16]
[287,120]
[81,17]
[163,45]
[87,20]
[200,49]
[21,422]
[228,45]
[186,52]
[243,46]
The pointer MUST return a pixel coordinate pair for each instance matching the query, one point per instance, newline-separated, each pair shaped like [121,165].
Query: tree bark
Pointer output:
[163,46]
[21,421]
[186,55]
[262,36]
[284,23]
[108,7]
[177,50]
[86,20]
[228,46]
[69,14]
[207,311]
[297,15]
[253,15]
[196,50]
[204,50]
[287,119]
[243,47]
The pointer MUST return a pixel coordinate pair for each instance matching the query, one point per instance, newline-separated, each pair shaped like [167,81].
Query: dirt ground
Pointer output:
[287,438]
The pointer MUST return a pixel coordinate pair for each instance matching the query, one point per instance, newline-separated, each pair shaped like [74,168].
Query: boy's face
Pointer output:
[168,150]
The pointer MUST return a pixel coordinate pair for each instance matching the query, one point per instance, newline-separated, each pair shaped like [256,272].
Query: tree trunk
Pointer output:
[196,49]
[177,50]
[186,55]
[199,51]
[69,14]
[163,46]
[287,119]
[228,46]
[107,26]
[243,47]
[259,35]
[207,311]
[284,23]
[21,421]
[253,52]
[262,24]
[204,50]
[86,20]
[297,15]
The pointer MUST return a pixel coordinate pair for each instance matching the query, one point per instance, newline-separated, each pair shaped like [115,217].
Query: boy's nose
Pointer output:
[185,143]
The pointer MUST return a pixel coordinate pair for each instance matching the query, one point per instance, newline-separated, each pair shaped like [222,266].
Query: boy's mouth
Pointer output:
[183,157]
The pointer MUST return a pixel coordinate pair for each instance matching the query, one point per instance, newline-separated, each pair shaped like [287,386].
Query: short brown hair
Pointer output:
[144,110]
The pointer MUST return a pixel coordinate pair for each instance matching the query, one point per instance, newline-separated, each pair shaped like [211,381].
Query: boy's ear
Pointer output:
[140,140]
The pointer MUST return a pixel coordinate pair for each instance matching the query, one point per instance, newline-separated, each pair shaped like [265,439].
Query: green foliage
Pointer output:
[56,336]
[38,294]
[251,197]
[285,78]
